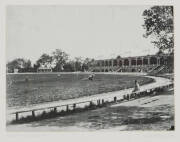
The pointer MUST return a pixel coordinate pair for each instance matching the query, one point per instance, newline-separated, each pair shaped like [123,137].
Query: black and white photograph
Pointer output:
[84,68]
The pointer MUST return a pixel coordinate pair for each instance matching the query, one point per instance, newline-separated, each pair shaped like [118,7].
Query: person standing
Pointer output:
[136,86]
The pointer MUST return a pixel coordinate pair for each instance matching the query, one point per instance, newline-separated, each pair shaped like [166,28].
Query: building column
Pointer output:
[129,61]
[158,61]
[148,60]
[104,65]
[112,64]
[107,65]
[118,62]
[122,61]
[142,61]
[101,63]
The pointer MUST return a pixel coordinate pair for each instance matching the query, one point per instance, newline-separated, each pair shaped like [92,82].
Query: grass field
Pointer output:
[29,89]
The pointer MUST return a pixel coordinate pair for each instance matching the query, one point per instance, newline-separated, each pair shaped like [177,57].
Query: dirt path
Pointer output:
[162,99]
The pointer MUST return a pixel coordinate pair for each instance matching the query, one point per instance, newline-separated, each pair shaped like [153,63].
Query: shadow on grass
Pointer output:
[106,117]
[53,114]
[132,117]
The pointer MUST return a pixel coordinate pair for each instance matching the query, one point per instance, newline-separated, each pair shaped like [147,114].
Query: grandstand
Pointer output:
[152,64]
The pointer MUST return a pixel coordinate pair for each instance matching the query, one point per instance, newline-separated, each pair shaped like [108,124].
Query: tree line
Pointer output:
[58,61]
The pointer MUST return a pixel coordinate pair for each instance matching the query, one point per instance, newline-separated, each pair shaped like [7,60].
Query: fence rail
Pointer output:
[95,102]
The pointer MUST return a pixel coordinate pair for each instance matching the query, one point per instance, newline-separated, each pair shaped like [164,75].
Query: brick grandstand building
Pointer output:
[134,64]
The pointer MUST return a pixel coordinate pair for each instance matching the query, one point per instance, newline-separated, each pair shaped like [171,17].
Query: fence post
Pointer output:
[67,108]
[90,104]
[33,114]
[55,110]
[115,99]
[17,116]
[99,102]
[74,106]
[102,101]
[128,97]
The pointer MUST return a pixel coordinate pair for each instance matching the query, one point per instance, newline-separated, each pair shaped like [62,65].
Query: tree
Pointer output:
[44,59]
[158,23]
[60,58]
[27,64]
[21,64]
[69,67]
[78,63]
[159,53]
[87,63]
[118,57]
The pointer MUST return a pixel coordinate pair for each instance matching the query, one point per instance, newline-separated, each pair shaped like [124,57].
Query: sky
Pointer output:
[98,32]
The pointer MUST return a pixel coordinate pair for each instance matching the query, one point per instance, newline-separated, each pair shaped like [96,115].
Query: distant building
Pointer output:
[131,64]
[16,70]
[45,68]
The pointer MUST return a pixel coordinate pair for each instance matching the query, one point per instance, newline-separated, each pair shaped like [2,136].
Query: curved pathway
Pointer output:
[159,81]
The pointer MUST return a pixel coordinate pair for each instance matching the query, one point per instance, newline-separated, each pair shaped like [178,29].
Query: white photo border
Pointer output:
[129,136]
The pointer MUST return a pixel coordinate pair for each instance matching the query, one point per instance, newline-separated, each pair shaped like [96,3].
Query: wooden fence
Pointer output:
[86,105]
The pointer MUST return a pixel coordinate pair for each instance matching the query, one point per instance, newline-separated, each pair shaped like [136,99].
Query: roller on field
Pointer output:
[90,77]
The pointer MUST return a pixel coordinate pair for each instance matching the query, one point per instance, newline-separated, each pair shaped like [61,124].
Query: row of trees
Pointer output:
[58,61]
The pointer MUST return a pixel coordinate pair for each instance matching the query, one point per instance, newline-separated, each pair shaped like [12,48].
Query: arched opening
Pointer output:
[102,63]
[153,60]
[139,61]
[110,63]
[98,64]
[133,62]
[106,63]
[145,61]
[162,61]
[114,62]
[120,63]
[126,62]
